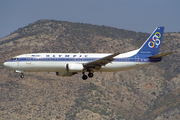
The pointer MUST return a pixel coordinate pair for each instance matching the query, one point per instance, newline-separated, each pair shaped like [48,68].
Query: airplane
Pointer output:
[68,64]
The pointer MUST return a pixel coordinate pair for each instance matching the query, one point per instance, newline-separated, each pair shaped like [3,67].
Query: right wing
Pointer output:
[96,64]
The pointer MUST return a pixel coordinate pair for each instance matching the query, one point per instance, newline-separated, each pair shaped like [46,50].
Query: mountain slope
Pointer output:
[150,92]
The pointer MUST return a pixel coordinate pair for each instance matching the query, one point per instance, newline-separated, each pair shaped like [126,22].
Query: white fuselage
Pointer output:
[56,62]
[68,64]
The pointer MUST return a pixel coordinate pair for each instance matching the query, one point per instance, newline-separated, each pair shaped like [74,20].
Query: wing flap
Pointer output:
[161,55]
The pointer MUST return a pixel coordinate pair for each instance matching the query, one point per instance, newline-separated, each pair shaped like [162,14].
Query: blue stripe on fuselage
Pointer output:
[129,59]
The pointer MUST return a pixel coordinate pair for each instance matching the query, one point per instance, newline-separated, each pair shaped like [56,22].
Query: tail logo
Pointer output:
[155,42]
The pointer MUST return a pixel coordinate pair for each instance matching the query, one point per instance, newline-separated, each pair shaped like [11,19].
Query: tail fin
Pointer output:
[152,44]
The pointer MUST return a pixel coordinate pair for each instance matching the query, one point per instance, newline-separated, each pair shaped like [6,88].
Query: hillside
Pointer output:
[147,93]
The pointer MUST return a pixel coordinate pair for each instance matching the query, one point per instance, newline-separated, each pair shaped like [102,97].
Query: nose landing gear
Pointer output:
[21,75]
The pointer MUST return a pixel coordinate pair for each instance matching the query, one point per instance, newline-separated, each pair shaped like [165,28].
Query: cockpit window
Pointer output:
[15,59]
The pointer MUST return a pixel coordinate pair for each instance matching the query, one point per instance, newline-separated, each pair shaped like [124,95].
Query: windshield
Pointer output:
[15,59]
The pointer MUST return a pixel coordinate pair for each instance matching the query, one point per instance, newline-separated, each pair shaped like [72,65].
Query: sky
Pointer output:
[136,15]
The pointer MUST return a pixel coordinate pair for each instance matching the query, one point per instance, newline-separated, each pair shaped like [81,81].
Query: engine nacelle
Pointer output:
[74,67]
[65,74]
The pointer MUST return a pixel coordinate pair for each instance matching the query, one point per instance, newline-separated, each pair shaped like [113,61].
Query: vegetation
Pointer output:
[141,94]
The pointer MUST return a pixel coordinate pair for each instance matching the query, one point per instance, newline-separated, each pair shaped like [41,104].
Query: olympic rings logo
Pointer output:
[155,42]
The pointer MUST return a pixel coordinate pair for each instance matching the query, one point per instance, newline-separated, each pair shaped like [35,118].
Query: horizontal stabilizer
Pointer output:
[161,55]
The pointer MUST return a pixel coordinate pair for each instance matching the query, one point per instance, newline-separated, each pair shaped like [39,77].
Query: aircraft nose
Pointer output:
[6,64]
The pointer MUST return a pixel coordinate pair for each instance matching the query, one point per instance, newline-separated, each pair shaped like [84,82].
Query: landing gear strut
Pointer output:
[20,72]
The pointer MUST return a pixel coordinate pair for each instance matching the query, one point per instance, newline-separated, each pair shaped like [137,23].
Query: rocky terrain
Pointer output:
[147,93]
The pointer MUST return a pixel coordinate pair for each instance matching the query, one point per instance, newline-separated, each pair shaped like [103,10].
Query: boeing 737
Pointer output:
[68,64]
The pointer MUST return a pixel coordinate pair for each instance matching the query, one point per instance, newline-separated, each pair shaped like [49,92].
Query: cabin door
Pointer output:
[28,59]
[137,60]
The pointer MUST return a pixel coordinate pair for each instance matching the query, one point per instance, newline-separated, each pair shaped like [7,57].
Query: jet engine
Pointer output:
[65,74]
[74,67]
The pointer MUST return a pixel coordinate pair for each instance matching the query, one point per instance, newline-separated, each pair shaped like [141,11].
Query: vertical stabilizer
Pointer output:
[152,44]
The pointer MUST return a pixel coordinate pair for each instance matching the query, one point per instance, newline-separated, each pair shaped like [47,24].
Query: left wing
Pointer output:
[96,64]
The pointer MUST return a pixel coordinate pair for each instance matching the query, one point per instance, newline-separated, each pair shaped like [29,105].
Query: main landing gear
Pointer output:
[90,75]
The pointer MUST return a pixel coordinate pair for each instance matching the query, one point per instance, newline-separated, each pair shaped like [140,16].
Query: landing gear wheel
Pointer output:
[90,75]
[22,76]
[84,77]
